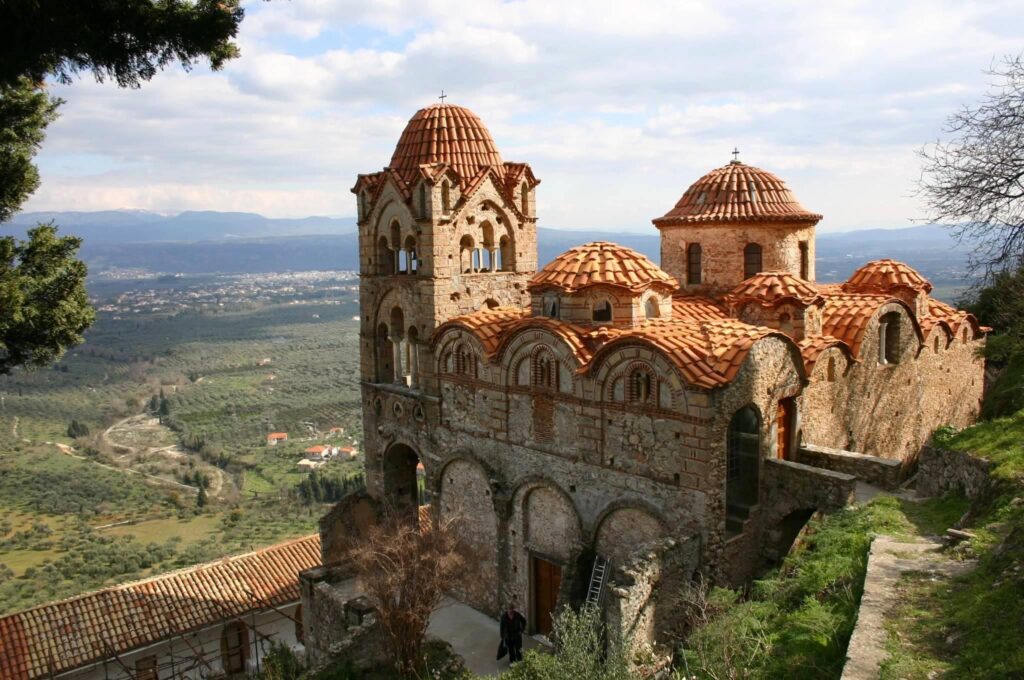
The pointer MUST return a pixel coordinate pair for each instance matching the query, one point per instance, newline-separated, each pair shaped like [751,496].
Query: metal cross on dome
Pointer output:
[735,155]
[443,96]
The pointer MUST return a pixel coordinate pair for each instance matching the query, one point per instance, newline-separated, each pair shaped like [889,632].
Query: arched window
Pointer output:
[805,262]
[602,311]
[551,306]
[524,192]
[411,359]
[505,257]
[445,197]
[385,355]
[830,374]
[751,260]
[743,453]
[465,361]
[466,251]
[487,255]
[423,199]
[234,647]
[889,338]
[412,261]
[640,389]
[786,323]
[693,264]
[651,308]
[963,334]
[936,344]
[545,371]
[385,258]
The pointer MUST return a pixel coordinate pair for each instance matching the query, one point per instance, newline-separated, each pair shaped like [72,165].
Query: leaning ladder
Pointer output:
[597,578]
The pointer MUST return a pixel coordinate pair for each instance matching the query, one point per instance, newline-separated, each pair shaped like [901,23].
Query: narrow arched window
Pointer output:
[525,198]
[743,452]
[693,264]
[889,338]
[805,261]
[445,197]
[545,371]
[651,310]
[602,311]
[423,199]
[751,260]
[786,323]
[551,307]
[936,344]
[641,386]
[830,374]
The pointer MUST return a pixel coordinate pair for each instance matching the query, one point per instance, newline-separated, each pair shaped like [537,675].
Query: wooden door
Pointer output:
[785,422]
[547,578]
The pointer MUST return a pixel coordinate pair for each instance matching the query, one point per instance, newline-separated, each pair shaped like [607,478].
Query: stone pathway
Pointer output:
[888,560]
[473,635]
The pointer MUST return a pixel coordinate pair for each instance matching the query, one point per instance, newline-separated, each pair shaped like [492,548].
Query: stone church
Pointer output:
[604,424]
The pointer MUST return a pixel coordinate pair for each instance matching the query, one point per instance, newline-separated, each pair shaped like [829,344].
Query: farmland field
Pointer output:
[169,406]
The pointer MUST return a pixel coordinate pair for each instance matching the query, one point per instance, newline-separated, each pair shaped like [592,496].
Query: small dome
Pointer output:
[738,193]
[445,133]
[885,275]
[601,263]
[771,287]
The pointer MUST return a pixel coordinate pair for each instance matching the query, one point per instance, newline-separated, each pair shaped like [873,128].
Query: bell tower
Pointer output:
[445,229]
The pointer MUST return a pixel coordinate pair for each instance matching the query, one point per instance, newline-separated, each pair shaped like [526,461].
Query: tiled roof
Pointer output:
[770,288]
[954,317]
[445,133]
[885,275]
[60,636]
[601,263]
[845,316]
[812,347]
[708,351]
[696,308]
[737,193]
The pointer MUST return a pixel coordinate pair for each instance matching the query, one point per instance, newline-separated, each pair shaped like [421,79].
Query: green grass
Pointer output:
[797,621]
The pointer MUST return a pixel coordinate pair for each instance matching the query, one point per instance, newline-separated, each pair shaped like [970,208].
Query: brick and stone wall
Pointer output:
[882,472]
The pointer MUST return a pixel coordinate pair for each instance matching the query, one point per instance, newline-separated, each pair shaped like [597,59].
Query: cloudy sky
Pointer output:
[618,106]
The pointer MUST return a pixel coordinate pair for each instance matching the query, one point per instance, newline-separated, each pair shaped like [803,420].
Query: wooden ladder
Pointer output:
[597,578]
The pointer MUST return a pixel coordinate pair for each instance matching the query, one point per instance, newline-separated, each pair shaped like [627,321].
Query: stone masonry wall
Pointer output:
[882,472]
[941,471]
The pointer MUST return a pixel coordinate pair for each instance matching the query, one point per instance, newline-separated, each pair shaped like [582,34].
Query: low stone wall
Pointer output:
[940,472]
[790,486]
[882,472]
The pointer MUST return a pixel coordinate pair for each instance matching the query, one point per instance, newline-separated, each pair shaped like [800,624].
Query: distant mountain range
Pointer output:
[208,241]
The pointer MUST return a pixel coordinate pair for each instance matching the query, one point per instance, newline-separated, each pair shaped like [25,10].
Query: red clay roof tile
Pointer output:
[770,288]
[63,635]
[601,263]
[737,193]
[884,276]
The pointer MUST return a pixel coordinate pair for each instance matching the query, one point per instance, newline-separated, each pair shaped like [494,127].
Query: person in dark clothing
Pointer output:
[513,624]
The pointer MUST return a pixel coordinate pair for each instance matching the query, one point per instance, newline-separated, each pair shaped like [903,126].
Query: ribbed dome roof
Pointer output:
[445,133]
[771,287]
[884,275]
[601,263]
[738,193]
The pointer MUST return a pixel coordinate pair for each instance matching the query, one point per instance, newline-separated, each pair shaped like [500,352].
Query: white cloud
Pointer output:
[618,106]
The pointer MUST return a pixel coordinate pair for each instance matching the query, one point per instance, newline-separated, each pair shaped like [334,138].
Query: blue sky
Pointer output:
[617,106]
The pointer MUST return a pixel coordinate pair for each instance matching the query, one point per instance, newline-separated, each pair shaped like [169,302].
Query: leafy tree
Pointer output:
[43,306]
[154,404]
[201,497]
[974,180]
[77,429]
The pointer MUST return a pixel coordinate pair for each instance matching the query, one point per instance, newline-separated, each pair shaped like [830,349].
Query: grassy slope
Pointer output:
[798,620]
[975,627]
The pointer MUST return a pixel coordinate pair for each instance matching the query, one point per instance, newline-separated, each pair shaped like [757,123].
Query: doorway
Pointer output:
[786,427]
[547,578]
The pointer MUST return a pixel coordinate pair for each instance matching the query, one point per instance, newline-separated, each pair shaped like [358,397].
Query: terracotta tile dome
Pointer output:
[738,193]
[599,263]
[445,133]
[884,275]
[769,288]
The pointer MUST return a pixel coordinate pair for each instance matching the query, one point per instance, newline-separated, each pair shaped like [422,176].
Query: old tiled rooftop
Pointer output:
[59,636]
[846,316]
[886,275]
[737,193]
[770,288]
[811,348]
[601,263]
[445,133]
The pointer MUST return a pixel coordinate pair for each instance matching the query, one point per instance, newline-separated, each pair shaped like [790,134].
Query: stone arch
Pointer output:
[744,448]
[521,344]
[400,471]
[464,496]
[448,341]
[625,527]
[615,365]
[467,257]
